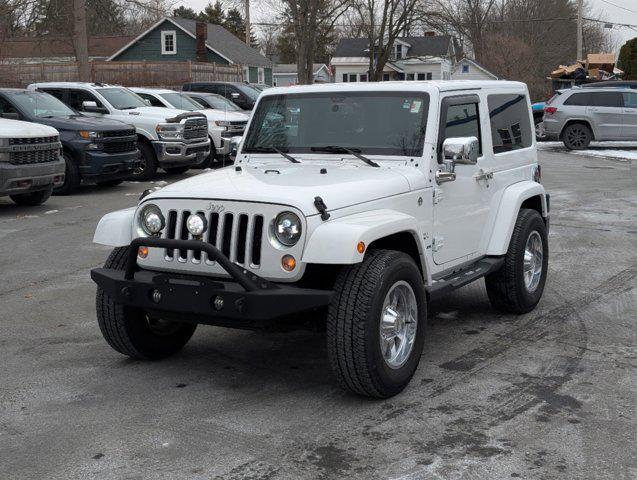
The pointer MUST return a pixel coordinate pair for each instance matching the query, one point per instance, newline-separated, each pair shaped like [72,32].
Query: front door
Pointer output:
[629,124]
[461,207]
[605,111]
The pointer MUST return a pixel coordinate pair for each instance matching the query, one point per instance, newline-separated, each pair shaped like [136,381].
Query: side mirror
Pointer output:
[11,116]
[90,106]
[461,150]
[147,102]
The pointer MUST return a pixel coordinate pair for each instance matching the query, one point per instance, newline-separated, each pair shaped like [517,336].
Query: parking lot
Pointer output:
[550,394]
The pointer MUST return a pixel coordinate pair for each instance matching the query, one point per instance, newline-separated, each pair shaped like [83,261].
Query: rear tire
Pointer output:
[148,163]
[362,331]
[508,289]
[32,199]
[577,136]
[130,331]
[72,177]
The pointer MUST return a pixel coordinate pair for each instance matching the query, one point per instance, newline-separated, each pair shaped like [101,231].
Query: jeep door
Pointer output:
[629,124]
[606,113]
[461,207]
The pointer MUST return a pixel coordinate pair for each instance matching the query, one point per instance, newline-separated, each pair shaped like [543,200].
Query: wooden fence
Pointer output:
[130,74]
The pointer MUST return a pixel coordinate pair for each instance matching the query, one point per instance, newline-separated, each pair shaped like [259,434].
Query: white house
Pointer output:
[467,69]
[430,57]
[285,74]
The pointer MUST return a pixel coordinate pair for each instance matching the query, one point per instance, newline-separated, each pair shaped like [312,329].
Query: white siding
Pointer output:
[474,72]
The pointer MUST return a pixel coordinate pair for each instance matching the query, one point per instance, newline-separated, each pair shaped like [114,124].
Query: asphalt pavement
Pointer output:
[547,395]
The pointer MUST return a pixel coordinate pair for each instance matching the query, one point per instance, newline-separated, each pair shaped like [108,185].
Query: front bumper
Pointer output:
[102,166]
[181,154]
[16,179]
[246,301]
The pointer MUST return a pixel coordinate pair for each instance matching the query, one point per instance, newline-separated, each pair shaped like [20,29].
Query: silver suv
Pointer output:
[581,114]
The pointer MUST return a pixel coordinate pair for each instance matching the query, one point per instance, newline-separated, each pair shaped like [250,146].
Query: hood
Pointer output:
[159,113]
[20,129]
[214,114]
[342,185]
[85,123]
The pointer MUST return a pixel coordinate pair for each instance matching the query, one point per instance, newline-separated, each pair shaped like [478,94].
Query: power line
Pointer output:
[619,6]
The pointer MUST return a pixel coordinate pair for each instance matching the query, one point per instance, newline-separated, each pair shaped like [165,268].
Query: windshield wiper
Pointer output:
[351,151]
[275,150]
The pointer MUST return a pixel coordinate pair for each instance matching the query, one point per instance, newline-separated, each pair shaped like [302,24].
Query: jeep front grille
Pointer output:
[237,235]
[196,128]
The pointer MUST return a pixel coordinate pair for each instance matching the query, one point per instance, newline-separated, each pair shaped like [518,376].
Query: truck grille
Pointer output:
[118,133]
[120,147]
[196,128]
[32,141]
[238,236]
[34,156]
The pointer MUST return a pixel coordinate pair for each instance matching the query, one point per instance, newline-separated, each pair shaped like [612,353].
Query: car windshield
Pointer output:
[122,98]
[221,103]
[40,104]
[372,123]
[181,101]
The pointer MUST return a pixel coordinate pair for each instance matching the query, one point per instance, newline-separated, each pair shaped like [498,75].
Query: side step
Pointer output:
[461,278]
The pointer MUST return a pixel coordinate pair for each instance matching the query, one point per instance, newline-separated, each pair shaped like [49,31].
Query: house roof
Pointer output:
[437,45]
[48,47]
[290,68]
[219,40]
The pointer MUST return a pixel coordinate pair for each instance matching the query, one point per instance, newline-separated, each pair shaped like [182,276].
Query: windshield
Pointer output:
[40,104]
[221,103]
[122,98]
[181,101]
[373,123]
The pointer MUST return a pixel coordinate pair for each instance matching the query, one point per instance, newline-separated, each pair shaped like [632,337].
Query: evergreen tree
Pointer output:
[628,59]
[185,12]
[235,24]
[213,14]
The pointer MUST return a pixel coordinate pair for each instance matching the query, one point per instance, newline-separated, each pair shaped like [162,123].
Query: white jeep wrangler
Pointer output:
[359,201]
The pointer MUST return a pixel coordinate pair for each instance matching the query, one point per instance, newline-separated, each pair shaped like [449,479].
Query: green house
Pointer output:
[177,39]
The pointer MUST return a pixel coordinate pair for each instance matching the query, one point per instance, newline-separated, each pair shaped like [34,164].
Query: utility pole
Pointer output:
[247,22]
[80,40]
[579,30]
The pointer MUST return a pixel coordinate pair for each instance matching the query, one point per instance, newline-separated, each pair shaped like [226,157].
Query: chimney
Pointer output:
[202,35]
[430,34]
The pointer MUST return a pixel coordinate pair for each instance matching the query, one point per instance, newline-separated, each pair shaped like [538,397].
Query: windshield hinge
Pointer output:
[321,207]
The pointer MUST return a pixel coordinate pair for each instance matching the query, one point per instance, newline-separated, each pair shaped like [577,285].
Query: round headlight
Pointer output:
[151,220]
[196,224]
[287,228]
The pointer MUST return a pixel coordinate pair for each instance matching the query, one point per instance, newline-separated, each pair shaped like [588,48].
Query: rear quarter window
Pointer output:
[510,122]
[579,99]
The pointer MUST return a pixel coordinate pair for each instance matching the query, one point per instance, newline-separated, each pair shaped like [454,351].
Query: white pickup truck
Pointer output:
[31,164]
[168,138]
[223,126]
[355,203]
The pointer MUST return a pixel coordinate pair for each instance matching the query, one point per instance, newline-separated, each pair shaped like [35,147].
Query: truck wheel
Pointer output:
[577,136]
[517,287]
[176,170]
[376,324]
[147,167]
[32,199]
[72,178]
[131,331]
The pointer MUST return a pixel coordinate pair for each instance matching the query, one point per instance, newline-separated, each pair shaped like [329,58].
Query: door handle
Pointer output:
[444,177]
[483,175]
[629,110]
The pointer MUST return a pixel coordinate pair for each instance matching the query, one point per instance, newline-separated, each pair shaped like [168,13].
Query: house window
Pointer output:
[410,76]
[261,76]
[385,77]
[352,77]
[168,42]
[465,69]
[345,77]
[430,76]
[421,76]
[363,77]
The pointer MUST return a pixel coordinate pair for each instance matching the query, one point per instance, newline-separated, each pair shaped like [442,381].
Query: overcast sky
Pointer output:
[622,11]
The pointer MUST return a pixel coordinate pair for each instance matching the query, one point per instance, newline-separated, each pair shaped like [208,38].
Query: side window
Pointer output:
[153,101]
[630,99]
[579,99]
[76,97]
[6,107]
[606,99]
[461,120]
[56,92]
[510,123]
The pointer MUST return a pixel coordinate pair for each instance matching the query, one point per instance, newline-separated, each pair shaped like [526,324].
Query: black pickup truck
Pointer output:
[95,150]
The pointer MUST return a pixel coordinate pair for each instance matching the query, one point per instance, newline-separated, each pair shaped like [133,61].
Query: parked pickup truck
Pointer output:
[222,125]
[94,149]
[166,138]
[350,205]
[31,164]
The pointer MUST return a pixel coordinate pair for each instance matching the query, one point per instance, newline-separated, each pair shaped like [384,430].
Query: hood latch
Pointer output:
[321,207]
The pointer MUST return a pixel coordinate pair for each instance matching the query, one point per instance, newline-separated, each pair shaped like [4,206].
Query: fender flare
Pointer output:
[145,135]
[115,229]
[335,241]
[510,203]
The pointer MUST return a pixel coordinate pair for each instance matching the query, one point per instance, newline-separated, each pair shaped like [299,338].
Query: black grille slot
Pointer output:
[170,230]
[226,241]
[119,147]
[183,233]
[241,238]
[213,229]
[257,236]
[34,156]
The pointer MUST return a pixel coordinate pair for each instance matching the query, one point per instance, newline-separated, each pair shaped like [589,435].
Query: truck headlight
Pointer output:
[287,228]
[89,135]
[150,221]
[170,131]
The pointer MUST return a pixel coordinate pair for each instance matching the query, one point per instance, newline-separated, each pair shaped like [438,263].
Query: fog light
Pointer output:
[142,252]
[218,303]
[288,262]
[196,224]
[360,248]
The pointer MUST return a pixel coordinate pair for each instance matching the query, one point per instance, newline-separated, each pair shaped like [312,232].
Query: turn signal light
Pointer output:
[288,263]
[142,252]
[360,248]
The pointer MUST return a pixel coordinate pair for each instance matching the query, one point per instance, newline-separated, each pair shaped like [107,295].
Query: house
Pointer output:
[467,69]
[430,57]
[48,49]
[180,39]
[285,74]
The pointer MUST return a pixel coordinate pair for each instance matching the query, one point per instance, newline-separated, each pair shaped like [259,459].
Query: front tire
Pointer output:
[577,136]
[517,287]
[72,177]
[130,331]
[148,164]
[376,324]
[32,199]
